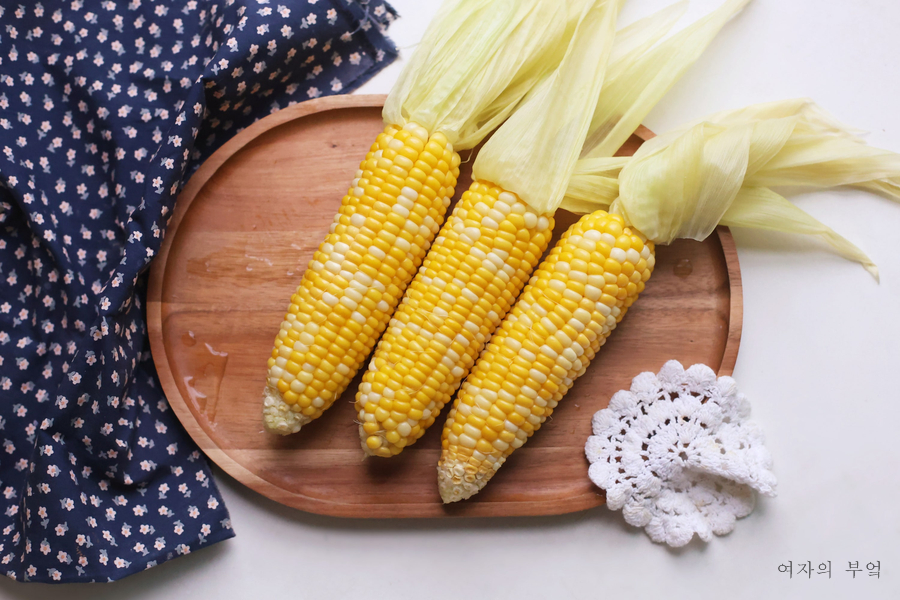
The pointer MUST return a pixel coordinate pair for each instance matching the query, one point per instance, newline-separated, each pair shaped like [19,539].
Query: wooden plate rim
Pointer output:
[332,507]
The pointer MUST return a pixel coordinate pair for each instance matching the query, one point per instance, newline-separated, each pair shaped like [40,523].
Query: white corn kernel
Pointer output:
[511,343]
[507,198]
[329,299]
[471,431]
[537,375]
[490,223]
[556,285]
[531,219]
[482,208]
[527,355]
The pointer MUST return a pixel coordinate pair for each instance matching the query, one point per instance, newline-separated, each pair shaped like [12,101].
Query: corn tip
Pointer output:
[363,443]
[452,487]
[277,414]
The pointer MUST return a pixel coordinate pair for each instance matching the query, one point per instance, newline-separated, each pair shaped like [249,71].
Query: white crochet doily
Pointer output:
[677,454]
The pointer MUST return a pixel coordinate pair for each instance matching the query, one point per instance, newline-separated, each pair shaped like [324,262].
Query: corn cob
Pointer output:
[392,210]
[437,332]
[571,305]
[478,58]
[479,263]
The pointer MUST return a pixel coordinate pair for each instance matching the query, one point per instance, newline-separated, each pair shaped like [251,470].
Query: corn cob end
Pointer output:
[364,442]
[455,483]
[278,416]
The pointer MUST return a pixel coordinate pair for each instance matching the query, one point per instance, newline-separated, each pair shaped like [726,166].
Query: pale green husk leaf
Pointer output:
[594,184]
[534,153]
[761,208]
[635,40]
[634,86]
[476,61]
[592,177]
[636,82]
[718,170]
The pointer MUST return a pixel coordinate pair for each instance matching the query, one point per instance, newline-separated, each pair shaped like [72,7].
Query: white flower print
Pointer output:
[107,107]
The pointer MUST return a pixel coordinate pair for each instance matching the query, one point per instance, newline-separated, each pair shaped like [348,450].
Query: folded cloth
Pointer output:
[105,108]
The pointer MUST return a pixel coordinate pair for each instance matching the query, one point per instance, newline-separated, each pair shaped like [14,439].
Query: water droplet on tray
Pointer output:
[684,267]
[265,260]
[204,385]
[193,393]
[199,266]
[213,351]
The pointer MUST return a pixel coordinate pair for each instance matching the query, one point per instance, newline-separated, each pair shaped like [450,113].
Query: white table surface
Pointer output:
[820,346]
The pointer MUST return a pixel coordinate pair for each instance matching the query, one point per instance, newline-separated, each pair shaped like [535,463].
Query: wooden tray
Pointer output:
[242,233]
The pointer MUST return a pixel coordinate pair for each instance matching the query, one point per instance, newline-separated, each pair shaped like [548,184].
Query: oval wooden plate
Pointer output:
[242,233]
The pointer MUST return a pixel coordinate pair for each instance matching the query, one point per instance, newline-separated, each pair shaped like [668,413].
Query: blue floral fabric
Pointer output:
[106,106]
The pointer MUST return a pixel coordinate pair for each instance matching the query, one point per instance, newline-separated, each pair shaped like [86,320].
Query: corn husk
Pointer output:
[594,184]
[635,86]
[534,153]
[635,40]
[640,74]
[761,208]
[476,61]
[631,42]
[719,170]
[637,80]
